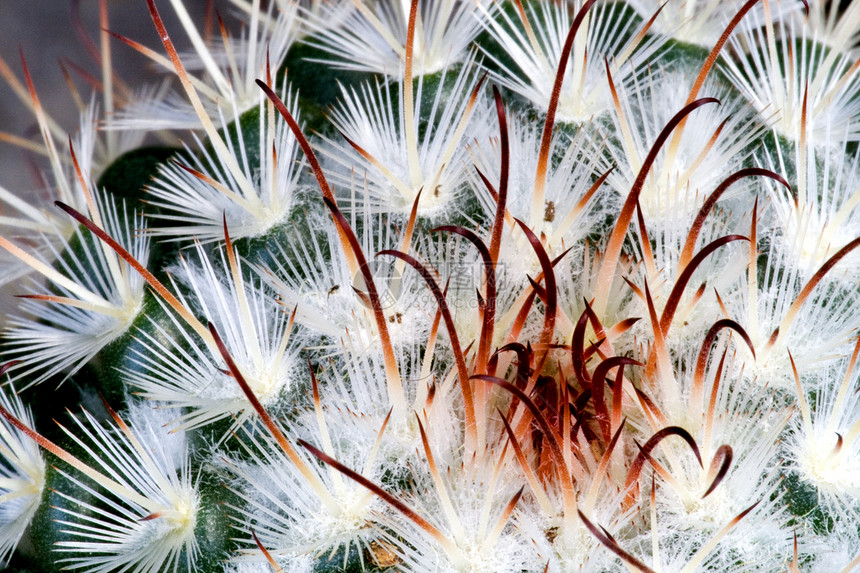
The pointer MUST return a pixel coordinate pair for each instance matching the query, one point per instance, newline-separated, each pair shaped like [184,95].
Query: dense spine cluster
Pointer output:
[443,285]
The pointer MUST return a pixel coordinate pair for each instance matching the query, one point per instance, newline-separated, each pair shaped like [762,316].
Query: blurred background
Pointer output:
[48,32]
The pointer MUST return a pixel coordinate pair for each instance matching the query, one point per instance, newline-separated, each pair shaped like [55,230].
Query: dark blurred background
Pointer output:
[46,31]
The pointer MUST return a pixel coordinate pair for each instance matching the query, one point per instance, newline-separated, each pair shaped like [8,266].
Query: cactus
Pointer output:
[490,285]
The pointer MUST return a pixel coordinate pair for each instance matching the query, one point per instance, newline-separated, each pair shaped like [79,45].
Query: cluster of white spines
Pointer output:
[23,476]
[663,337]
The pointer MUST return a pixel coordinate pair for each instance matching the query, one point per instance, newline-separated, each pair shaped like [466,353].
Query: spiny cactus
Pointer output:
[444,285]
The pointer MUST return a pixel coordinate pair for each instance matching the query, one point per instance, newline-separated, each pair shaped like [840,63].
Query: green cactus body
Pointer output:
[447,286]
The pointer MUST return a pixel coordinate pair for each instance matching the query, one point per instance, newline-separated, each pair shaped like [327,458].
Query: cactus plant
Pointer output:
[490,285]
